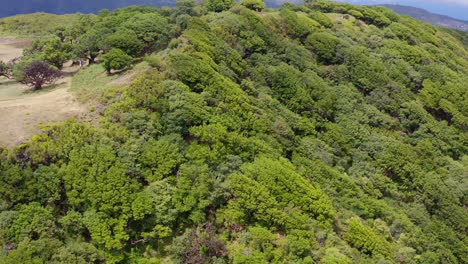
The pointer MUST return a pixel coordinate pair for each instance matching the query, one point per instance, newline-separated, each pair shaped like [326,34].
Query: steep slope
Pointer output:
[327,133]
[434,19]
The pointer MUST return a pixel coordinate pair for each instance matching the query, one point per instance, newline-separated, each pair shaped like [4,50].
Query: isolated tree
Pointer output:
[39,73]
[257,5]
[5,70]
[116,59]
[126,40]
[88,45]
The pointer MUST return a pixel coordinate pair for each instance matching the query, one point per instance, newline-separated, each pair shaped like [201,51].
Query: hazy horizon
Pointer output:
[452,8]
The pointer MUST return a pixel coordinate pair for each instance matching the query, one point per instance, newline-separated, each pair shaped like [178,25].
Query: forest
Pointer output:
[316,133]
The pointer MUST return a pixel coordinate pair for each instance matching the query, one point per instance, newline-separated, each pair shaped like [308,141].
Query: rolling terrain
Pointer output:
[227,132]
[434,19]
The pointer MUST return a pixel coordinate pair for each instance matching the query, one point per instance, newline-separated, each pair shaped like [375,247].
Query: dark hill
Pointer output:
[10,8]
[426,16]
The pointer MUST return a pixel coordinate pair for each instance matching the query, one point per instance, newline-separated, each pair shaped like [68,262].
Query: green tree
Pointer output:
[325,45]
[219,5]
[89,44]
[186,7]
[152,29]
[50,50]
[256,5]
[125,40]
[362,238]
[116,59]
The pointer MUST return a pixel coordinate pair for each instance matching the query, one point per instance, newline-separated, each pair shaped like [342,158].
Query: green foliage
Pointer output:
[50,50]
[362,238]
[116,59]
[320,133]
[89,44]
[20,68]
[124,40]
[256,5]
[32,222]
[298,25]
[321,18]
[152,28]
[35,25]
[366,72]
[325,45]
[160,158]
[291,189]
[219,5]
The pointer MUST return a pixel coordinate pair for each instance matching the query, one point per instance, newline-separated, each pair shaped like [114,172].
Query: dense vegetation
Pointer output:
[323,133]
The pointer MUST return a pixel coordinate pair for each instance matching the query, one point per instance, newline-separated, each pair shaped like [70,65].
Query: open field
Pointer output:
[21,110]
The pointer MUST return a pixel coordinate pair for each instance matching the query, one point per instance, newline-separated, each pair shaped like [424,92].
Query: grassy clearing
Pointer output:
[22,110]
[91,83]
[10,89]
[34,25]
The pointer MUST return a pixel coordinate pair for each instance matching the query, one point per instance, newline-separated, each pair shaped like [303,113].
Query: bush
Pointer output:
[116,59]
[325,45]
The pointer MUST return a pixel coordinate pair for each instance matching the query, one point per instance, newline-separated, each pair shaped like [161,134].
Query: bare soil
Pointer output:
[11,48]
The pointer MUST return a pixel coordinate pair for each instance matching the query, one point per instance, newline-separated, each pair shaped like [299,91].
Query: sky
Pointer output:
[454,8]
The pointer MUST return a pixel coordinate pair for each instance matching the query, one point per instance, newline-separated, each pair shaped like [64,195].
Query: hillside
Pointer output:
[435,19]
[319,133]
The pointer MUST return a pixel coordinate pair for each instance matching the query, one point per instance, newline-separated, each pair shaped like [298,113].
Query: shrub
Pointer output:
[116,59]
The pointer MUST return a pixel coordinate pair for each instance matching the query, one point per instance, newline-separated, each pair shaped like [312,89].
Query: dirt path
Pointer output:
[11,48]
[22,111]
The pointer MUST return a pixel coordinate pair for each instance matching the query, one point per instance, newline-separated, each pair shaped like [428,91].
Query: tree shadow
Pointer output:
[7,81]
[44,89]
